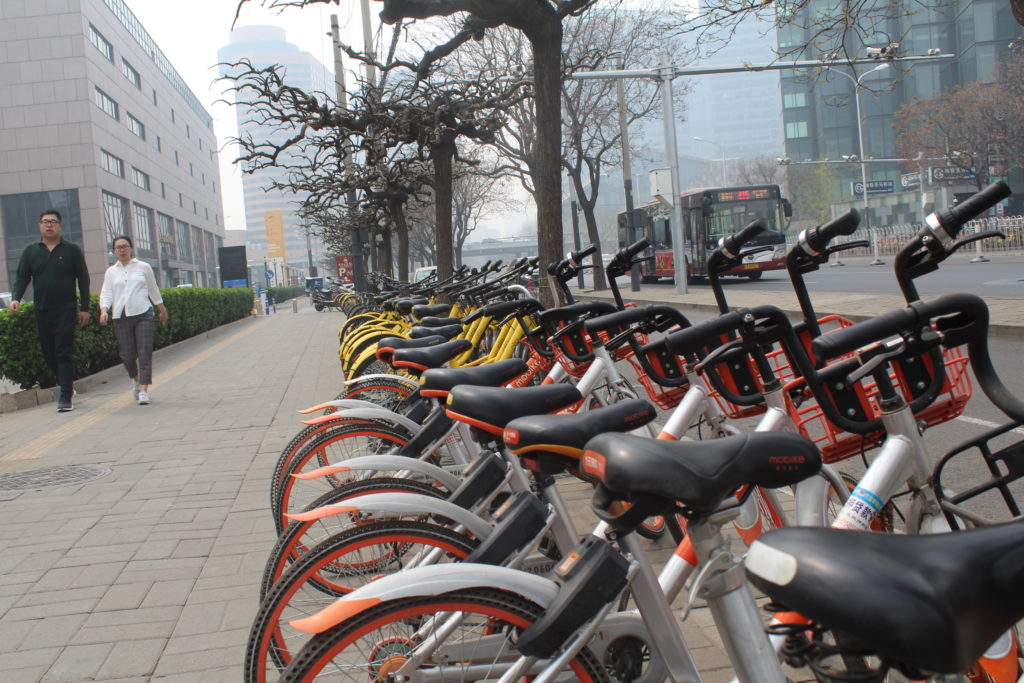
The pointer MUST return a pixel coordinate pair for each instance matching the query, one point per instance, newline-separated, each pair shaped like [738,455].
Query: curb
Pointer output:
[37,396]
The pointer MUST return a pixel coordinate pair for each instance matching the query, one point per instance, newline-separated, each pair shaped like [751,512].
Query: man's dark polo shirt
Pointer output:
[53,275]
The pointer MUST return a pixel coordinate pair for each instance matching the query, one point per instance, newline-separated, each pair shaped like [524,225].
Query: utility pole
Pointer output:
[355,233]
[672,159]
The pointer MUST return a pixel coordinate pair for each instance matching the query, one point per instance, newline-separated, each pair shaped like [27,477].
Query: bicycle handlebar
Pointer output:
[576,257]
[732,244]
[953,219]
[503,308]
[816,240]
[660,314]
[688,341]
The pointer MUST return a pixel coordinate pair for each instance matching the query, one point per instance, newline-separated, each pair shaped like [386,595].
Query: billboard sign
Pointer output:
[274,222]
[233,266]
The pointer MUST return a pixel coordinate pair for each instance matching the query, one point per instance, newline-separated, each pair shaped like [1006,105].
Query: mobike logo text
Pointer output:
[593,463]
[510,437]
[786,462]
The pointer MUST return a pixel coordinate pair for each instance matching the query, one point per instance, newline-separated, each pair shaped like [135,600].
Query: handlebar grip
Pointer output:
[954,218]
[638,246]
[553,268]
[731,244]
[689,340]
[503,308]
[848,339]
[617,319]
[845,224]
[577,257]
[496,266]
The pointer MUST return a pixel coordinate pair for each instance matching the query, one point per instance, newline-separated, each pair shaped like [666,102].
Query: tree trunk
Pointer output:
[587,205]
[397,210]
[547,179]
[442,156]
[1018,10]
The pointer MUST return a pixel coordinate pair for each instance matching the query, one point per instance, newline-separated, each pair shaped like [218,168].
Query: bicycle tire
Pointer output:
[299,537]
[369,365]
[306,587]
[354,438]
[488,609]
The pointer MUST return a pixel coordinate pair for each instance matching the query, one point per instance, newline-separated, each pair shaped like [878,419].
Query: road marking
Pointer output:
[40,446]
[986,423]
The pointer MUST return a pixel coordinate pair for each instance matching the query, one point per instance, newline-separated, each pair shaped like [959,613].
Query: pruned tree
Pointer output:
[476,195]
[812,189]
[541,22]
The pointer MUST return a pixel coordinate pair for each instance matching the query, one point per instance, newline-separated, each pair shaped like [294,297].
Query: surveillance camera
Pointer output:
[876,52]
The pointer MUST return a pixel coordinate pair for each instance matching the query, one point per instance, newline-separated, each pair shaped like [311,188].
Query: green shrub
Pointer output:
[191,311]
[284,293]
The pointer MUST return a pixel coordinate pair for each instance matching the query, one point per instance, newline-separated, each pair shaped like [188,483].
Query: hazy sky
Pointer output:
[191,31]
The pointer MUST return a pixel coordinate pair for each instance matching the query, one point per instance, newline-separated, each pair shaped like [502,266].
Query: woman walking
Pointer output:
[128,289]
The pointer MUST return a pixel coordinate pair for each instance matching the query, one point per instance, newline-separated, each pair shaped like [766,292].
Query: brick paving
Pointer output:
[151,571]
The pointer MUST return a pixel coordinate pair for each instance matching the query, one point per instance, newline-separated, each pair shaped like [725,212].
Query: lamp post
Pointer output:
[857,85]
[721,157]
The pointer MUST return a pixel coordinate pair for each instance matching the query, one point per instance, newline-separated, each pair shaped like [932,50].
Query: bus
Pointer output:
[708,215]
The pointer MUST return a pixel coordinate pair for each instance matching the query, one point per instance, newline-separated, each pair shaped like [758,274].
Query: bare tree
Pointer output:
[476,195]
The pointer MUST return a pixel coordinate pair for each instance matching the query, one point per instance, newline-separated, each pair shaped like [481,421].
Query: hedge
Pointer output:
[284,293]
[190,311]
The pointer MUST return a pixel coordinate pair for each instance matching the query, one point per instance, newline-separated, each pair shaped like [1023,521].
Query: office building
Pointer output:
[96,123]
[820,121]
[269,211]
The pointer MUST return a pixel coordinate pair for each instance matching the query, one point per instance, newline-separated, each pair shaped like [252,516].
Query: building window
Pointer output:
[203,175]
[101,43]
[165,226]
[188,132]
[107,104]
[794,99]
[796,129]
[190,172]
[154,95]
[181,201]
[184,248]
[131,74]
[214,187]
[115,216]
[136,126]
[111,164]
[163,191]
[197,246]
[140,178]
[143,227]
[195,207]
[159,147]
[172,116]
[175,157]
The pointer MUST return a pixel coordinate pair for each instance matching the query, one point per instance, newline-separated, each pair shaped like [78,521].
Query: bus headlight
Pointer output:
[779,253]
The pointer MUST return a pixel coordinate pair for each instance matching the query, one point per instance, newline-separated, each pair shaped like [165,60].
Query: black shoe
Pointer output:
[64,403]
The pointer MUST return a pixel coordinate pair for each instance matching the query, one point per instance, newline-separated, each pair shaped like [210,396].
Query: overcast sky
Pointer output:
[191,31]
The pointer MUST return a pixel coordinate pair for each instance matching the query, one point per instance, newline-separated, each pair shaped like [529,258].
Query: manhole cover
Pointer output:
[51,477]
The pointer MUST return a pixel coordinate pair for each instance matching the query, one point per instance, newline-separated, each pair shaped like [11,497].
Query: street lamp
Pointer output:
[857,85]
[721,157]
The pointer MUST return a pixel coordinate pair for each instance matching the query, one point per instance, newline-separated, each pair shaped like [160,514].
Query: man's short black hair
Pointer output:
[51,212]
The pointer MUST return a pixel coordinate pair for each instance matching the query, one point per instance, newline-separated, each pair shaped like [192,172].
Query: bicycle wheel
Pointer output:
[352,439]
[369,364]
[387,393]
[334,568]
[375,643]
[299,537]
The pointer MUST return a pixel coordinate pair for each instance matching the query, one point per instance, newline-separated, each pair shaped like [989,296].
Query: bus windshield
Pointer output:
[731,217]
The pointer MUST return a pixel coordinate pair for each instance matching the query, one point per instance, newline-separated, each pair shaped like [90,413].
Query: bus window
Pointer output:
[662,233]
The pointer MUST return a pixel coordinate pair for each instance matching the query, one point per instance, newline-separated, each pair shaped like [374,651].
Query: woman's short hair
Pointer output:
[126,238]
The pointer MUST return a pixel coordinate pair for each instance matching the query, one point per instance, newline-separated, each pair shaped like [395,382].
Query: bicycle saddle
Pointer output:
[576,310]
[430,356]
[387,346]
[699,474]
[934,602]
[438,382]
[423,310]
[551,440]
[404,306]
[448,331]
[431,321]
[491,408]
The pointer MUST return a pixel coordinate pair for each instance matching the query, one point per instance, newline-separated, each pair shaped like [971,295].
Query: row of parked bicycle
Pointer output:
[423,535]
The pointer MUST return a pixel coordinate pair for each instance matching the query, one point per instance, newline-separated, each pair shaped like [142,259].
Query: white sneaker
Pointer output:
[143,398]
[135,389]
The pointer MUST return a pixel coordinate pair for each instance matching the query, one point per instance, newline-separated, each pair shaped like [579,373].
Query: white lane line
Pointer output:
[986,423]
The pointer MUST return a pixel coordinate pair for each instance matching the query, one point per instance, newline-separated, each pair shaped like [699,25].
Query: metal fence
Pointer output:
[886,241]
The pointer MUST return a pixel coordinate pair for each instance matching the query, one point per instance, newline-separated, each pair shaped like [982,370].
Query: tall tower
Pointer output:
[268,211]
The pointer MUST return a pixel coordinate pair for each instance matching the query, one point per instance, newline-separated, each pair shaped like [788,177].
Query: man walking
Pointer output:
[53,266]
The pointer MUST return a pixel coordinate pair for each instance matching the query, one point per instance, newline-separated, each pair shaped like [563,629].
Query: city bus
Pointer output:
[708,215]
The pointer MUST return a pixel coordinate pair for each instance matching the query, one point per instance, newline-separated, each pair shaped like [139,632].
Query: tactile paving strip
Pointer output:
[51,477]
